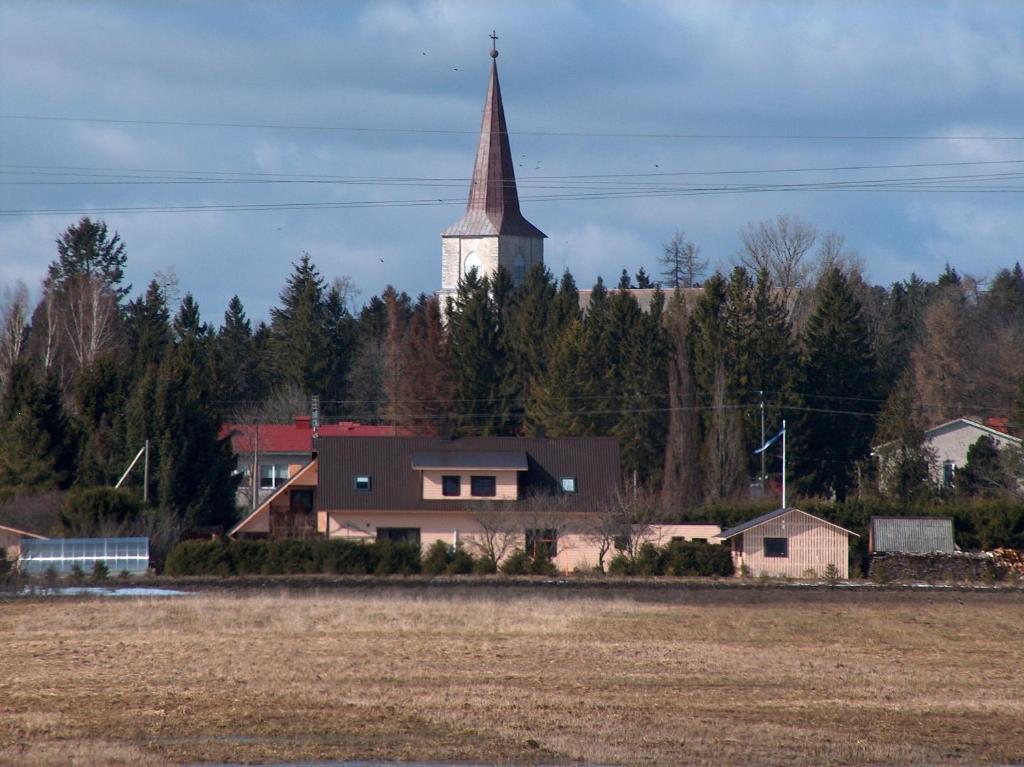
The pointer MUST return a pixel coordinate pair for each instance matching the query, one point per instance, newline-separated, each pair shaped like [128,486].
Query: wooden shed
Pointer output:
[789,542]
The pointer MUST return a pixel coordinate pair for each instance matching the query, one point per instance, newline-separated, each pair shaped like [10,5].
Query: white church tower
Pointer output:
[493,232]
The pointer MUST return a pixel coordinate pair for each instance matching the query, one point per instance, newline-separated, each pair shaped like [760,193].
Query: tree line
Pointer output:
[683,373]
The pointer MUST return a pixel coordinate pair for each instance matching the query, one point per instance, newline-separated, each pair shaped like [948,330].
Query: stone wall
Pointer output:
[937,568]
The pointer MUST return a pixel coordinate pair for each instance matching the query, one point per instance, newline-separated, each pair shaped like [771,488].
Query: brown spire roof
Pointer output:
[493,206]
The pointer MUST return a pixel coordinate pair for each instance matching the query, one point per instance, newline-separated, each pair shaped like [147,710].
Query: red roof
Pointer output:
[297,437]
[999,423]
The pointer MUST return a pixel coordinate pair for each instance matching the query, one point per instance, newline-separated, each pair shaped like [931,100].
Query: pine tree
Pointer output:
[147,329]
[299,337]
[643,281]
[528,329]
[478,361]
[643,388]
[87,249]
[340,330]
[564,389]
[566,305]
[839,377]
[238,378]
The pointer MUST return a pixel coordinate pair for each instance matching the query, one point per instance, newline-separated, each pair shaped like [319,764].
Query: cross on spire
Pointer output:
[494,44]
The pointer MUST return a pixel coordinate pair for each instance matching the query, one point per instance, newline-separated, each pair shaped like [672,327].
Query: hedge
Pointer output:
[676,558]
[291,557]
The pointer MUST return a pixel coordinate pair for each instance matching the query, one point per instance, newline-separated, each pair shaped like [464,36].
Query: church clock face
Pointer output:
[472,262]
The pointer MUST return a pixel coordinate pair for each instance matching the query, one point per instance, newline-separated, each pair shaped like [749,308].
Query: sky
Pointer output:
[222,140]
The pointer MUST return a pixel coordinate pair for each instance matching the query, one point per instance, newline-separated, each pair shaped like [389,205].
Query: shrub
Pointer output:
[437,558]
[76,576]
[831,574]
[484,565]
[396,557]
[100,571]
[5,564]
[51,577]
[620,564]
[199,558]
[461,562]
[517,563]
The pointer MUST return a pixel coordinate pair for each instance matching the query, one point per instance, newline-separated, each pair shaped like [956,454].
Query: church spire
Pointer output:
[493,207]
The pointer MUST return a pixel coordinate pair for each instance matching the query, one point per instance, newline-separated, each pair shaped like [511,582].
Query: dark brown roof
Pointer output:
[467,459]
[395,485]
[493,206]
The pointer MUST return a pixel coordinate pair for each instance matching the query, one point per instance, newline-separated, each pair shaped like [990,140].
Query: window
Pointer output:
[362,483]
[568,484]
[776,547]
[273,475]
[485,487]
[410,534]
[948,474]
[542,543]
[451,485]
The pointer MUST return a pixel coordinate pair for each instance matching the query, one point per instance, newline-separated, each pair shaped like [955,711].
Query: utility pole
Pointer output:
[145,476]
[255,493]
[761,392]
[783,464]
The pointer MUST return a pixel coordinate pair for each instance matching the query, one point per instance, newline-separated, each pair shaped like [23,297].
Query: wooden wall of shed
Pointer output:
[813,545]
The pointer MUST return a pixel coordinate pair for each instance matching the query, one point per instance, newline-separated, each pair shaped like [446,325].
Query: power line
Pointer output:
[568,134]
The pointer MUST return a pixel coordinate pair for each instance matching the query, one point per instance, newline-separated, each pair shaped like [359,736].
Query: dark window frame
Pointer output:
[777,549]
[489,482]
[541,540]
[411,534]
[562,482]
[446,481]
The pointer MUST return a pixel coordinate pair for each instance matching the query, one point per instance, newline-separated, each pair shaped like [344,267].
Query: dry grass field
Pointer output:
[515,678]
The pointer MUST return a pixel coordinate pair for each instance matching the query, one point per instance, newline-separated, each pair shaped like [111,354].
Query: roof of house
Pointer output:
[396,484]
[767,517]
[912,535]
[493,206]
[960,422]
[296,437]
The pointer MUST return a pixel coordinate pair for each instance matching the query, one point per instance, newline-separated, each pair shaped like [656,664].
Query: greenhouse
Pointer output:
[62,554]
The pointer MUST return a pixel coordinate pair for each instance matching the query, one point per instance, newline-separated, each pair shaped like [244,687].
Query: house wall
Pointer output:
[575,549]
[259,523]
[952,444]
[506,485]
[813,545]
[663,534]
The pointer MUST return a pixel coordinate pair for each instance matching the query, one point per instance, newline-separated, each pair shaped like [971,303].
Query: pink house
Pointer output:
[487,493]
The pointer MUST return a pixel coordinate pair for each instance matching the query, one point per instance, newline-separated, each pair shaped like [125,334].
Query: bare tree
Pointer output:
[500,529]
[681,484]
[724,462]
[683,265]
[13,328]
[89,319]
[44,339]
[624,523]
[779,248]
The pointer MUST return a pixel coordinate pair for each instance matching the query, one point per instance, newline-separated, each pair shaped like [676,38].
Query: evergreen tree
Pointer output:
[87,249]
[624,281]
[839,377]
[566,306]
[340,331]
[238,378]
[906,458]
[564,390]
[100,396]
[643,281]
[643,388]
[147,329]
[528,329]
[366,375]
[478,361]
[299,337]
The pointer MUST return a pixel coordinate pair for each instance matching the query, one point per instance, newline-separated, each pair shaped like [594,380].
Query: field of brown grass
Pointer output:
[513,678]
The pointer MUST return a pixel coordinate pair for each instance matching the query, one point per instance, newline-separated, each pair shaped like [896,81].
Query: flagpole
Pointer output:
[783,464]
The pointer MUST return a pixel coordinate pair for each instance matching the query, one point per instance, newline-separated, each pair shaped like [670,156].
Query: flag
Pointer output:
[770,442]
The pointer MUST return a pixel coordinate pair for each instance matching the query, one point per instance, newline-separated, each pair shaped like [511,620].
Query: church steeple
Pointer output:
[493,206]
[493,232]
